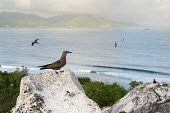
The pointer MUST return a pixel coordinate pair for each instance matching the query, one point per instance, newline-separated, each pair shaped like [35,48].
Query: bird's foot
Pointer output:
[56,72]
[62,71]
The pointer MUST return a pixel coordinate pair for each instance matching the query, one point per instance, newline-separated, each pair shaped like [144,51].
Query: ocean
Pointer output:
[144,55]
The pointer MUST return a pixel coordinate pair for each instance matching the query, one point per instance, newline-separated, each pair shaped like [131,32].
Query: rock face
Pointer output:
[53,93]
[106,109]
[146,98]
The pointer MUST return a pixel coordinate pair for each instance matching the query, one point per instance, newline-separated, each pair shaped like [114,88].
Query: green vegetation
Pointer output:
[134,84]
[9,88]
[122,112]
[102,94]
[84,80]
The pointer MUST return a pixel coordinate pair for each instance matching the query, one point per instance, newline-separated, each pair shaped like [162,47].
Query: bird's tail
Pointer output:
[42,68]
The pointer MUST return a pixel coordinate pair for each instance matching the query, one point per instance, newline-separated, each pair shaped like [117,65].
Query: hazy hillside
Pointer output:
[19,19]
[16,19]
[81,21]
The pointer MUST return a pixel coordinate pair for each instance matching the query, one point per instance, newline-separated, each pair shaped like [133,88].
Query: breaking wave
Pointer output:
[111,74]
[130,69]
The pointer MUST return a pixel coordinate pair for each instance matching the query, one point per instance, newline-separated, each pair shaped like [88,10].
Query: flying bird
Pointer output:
[57,65]
[35,42]
[115,44]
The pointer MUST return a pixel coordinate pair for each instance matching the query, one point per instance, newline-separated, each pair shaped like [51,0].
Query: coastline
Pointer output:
[107,77]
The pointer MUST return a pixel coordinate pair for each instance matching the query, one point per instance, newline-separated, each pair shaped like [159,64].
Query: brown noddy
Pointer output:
[35,42]
[58,64]
[154,81]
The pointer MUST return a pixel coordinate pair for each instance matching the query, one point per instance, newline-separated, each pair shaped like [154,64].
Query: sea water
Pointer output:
[143,55]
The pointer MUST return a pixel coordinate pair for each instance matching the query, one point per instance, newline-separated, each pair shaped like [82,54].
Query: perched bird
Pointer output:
[58,64]
[35,42]
[154,81]
[115,44]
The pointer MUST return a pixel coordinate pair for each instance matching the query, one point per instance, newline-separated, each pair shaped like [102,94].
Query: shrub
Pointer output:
[84,80]
[9,88]
[134,84]
[122,112]
[103,94]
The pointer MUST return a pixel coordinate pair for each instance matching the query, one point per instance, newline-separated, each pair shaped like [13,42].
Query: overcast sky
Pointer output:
[151,12]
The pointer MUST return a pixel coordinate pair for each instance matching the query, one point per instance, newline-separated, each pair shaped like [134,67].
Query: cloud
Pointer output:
[139,11]
[22,4]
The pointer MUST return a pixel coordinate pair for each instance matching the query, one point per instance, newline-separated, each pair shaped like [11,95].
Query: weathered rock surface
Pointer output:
[53,93]
[106,109]
[146,98]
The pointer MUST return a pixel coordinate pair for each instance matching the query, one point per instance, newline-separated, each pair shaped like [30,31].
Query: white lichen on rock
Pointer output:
[53,93]
[146,98]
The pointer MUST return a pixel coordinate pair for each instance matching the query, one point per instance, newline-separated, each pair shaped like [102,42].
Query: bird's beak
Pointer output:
[69,52]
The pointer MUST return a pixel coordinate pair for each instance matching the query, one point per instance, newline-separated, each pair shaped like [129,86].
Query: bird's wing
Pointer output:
[32,43]
[55,65]
[57,62]
[36,39]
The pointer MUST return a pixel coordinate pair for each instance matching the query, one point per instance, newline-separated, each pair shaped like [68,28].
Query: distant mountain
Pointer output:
[16,19]
[81,21]
[20,20]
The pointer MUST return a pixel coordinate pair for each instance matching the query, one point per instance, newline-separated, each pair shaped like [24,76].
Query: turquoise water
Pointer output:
[142,56]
